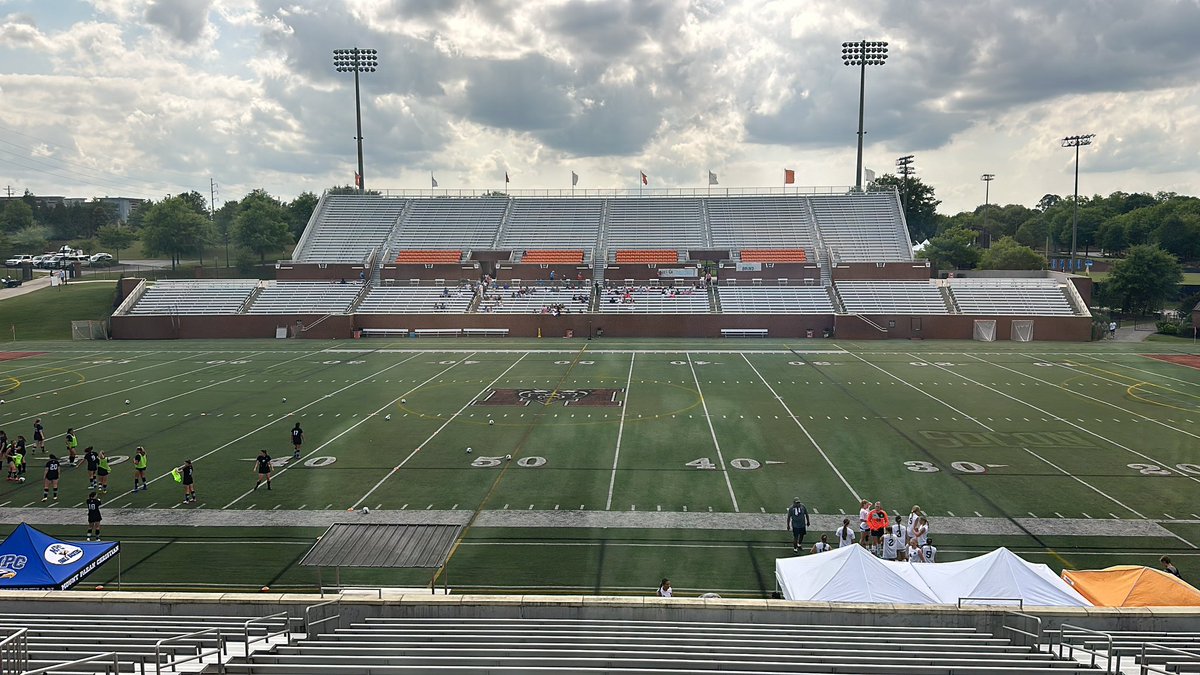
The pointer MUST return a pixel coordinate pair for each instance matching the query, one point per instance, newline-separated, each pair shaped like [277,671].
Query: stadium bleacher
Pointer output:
[425,257]
[891,297]
[796,255]
[345,228]
[1033,297]
[450,224]
[646,300]
[552,223]
[770,221]
[416,300]
[655,222]
[304,297]
[548,257]
[195,297]
[864,227]
[636,256]
[775,300]
[538,300]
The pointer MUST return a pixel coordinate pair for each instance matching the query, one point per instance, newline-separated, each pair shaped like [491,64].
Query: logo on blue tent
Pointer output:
[59,553]
[10,564]
[6,573]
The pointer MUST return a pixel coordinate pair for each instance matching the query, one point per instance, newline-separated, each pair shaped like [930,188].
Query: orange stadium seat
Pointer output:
[774,255]
[553,257]
[647,256]
[427,257]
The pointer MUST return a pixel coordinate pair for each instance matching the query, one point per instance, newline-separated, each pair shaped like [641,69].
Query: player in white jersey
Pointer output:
[845,534]
[823,545]
[914,552]
[921,531]
[900,528]
[913,516]
[929,551]
[891,544]
[864,510]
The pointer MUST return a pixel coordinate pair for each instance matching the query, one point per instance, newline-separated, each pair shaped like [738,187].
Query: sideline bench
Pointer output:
[384,332]
[743,332]
[435,332]
[485,332]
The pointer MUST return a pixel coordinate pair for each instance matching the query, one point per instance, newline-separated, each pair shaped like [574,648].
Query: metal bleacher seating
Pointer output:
[535,298]
[416,300]
[1034,297]
[450,223]
[655,222]
[348,227]
[552,223]
[766,222]
[560,646]
[665,300]
[775,300]
[1129,650]
[304,297]
[862,227]
[194,297]
[891,297]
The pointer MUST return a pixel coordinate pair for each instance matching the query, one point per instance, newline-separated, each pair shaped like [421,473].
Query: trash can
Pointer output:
[808,333]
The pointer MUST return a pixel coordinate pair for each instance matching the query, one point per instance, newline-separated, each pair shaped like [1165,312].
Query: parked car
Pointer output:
[50,262]
[40,260]
[99,260]
[18,260]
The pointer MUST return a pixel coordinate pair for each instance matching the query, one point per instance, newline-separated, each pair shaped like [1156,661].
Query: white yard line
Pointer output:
[1115,364]
[976,420]
[612,480]
[122,373]
[803,429]
[445,424]
[713,433]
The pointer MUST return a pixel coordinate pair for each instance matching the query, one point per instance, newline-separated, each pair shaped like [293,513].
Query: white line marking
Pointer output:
[713,433]
[612,480]
[445,424]
[804,430]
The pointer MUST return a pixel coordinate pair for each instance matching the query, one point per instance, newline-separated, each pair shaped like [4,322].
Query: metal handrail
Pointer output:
[1062,633]
[268,634]
[340,589]
[309,623]
[14,652]
[1020,602]
[115,665]
[218,650]
[1037,629]
[1193,657]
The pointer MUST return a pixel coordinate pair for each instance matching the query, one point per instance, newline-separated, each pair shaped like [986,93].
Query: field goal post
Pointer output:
[985,330]
[1022,330]
[89,330]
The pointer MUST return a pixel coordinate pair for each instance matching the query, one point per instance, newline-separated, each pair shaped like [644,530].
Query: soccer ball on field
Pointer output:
[21,479]
[366,510]
[468,451]
[285,399]
[1,401]
[508,458]
[491,422]
[126,401]
[403,401]
[387,417]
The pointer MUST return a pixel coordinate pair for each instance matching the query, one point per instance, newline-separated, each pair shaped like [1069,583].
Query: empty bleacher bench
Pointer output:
[485,332]
[743,332]
[435,332]
[385,332]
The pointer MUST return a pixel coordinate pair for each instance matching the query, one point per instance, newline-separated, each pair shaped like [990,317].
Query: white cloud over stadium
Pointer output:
[149,97]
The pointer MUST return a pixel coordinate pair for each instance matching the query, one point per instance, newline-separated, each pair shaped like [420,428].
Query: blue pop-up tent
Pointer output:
[33,560]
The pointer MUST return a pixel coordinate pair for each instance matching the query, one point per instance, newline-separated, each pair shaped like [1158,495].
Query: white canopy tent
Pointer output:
[852,574]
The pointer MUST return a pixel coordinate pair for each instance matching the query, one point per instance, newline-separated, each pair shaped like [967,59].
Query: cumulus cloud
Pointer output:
[183,20]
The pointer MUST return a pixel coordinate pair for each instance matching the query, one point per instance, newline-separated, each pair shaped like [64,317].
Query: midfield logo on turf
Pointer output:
[545,397]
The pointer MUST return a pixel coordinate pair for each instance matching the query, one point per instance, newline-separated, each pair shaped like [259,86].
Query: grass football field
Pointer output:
[602,466]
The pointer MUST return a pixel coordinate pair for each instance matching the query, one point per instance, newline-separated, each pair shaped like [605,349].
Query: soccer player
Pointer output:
[877,522]
[892,543]
[7,455]
[921,531]
[913,516]
[94,517]
[21,452]
[1168,567]
[864,510]
[93,461]
[189,487]
[102,470]
[262,464]
[39,435]
[72,443]
[914,553]
[845,534]
[664,589]
[797,517]
[50,478]
[297,440]
[929,551]
[823,545]
[140,462]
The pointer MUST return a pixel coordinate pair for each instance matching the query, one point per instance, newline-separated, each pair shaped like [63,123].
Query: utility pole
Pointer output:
[987,179]
[904,167]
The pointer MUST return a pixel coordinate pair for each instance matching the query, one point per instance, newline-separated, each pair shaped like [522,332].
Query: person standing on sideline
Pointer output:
[94,517]
[262,464]
[913,516]
[823,545]
[188,480]
[664,589]
[892,543]
[140,462]
[1168,567]
[877,522]
[921,531]
[864,510]
[929,551]
[297,440]
[845,534]
[93,463]
[1112,330]
[914,552]
[797,518]
[102,470]
[72,443]
[50,478]
[39,435]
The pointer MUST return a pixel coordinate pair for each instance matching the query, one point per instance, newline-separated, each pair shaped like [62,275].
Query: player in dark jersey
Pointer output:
[188,480]
[39,435]
[50,479]
[139,468]
[297,440]
[94,518]
[93,462]
[262,464]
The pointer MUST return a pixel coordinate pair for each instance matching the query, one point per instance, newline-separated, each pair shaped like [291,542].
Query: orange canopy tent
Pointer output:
[1132,586]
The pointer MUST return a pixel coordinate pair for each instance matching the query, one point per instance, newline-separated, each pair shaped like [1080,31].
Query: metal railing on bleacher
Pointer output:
[310,624]
[1070,648]
[1190,659]
[14,652]
[265,622]
[173,662]
[1036,635]
[110,664]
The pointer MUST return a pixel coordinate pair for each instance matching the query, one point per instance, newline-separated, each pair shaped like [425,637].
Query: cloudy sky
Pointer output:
[149,97]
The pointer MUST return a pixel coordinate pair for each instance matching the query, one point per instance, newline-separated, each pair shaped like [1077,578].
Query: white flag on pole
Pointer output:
[712,178]
[574,179]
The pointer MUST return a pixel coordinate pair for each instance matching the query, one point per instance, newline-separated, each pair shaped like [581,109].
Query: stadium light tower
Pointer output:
[987,179]
[905,168]
[1076,142]
[357,61]
[862,54]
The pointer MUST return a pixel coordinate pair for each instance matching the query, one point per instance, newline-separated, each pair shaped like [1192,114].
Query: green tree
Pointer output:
[195,202]
[115,238]
[1007,254]
[32,239]
[920,206]
[173,227]
[952,249]
[1033,232]
[1146,278]
[262,226]
[299,211]
[17,215]
[223,223]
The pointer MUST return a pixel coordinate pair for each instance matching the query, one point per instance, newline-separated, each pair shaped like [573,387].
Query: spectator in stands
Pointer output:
[845,534]
[797,521]
[552,279]
[362,277]
[664,589]
[929,551]
[823,545]
[1168,567]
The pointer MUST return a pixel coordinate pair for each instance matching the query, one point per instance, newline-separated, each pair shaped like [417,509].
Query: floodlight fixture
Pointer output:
[1076,142]
[862,54]
[356,60]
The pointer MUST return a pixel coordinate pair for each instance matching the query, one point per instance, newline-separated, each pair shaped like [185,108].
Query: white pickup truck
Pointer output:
[18,260]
